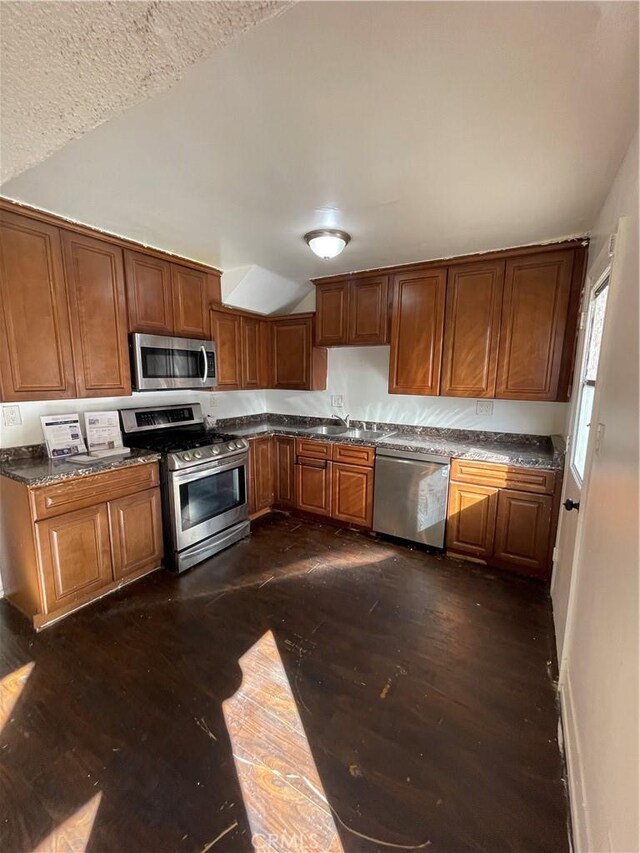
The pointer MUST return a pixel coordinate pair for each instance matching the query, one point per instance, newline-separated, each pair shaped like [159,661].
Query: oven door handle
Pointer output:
[205,372]
[208,469]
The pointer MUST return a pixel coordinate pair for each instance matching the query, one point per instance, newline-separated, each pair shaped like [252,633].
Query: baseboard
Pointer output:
[573,758]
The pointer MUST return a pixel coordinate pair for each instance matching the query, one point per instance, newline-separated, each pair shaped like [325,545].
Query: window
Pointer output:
[593,341]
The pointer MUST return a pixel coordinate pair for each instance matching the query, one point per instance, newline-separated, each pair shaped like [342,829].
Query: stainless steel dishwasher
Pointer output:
[410,495]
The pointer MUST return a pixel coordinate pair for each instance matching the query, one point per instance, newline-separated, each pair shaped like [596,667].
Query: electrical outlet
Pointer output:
[484,407]
[11,416]
[337,400]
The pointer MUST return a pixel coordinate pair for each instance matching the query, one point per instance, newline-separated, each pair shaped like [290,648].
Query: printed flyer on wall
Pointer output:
[62,435]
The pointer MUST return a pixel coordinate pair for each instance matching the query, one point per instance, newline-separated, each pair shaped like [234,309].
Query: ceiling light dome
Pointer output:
[327,242]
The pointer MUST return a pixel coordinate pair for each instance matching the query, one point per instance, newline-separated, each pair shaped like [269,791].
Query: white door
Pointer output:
[582,434]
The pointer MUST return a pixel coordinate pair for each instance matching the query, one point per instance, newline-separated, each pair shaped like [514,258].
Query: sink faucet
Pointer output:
[344,421]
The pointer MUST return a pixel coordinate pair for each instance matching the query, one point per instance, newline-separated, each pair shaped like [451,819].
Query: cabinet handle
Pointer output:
[569,505]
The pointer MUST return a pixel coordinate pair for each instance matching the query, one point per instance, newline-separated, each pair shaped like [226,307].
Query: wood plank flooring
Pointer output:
[310,688]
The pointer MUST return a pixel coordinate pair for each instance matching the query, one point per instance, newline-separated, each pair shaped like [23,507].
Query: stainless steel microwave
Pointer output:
[161,362]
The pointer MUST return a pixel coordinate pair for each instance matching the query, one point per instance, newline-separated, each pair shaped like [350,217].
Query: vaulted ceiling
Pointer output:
[424,129]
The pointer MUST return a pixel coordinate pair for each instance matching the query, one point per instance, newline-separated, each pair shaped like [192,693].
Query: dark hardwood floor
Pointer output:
[422,685]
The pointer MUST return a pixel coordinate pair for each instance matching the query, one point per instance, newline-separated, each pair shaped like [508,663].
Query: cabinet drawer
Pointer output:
[504,476]
[354,455]
[313,449]
[48,501]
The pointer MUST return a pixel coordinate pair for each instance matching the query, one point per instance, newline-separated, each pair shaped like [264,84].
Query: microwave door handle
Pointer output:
[205,374]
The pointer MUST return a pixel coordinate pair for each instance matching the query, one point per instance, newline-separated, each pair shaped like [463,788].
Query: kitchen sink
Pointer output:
[338,429]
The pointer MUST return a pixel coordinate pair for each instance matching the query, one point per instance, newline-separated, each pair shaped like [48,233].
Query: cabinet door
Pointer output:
[352,493]
[148,294]
[471,519]
[75,556]
[190,302]
[313,486]
[416,332]
[135,523]
[225,331]
[534,319]
[261,470]
[296,363]
[472,330]
[254,334]
[98,311]
[332,306]
[369,311]
[284,454]
[35,339]
[523,525]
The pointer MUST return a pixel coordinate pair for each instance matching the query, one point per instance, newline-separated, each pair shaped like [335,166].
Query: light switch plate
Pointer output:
[484,407]
[11,416]
[337,400]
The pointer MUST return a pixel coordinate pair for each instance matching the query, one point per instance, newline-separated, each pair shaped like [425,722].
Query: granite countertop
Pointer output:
[31,466]
[525,451]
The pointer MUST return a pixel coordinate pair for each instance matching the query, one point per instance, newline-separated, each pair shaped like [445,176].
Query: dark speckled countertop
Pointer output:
[526,451]
[31,465]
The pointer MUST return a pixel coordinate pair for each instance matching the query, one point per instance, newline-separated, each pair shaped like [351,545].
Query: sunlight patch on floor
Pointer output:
[72,836]
[282,792]
[11,687]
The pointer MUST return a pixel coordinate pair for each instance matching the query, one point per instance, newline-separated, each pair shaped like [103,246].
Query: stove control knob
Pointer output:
[186,457]
[197,454]
[215,451]
[231,445]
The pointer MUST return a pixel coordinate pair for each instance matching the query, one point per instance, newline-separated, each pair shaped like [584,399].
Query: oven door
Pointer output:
[207,499]
[162,362]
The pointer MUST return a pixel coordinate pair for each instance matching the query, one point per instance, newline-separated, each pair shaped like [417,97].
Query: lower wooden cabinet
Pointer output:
[313,485]
[512,528]
[75,555]
[76,540]
[260,475]
[352,494]
[135,524]
[284,484]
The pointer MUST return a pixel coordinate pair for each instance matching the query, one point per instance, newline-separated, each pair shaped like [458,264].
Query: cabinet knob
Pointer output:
[569,504]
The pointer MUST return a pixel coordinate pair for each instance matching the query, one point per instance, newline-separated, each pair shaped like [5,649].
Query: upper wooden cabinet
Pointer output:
[35,341]
[225,332]
[255,344]
[472,330]
[352,311]
[149,294]
[193,291]
[98,312]
[534,322]
[242,349]
[296,363]
[416,331]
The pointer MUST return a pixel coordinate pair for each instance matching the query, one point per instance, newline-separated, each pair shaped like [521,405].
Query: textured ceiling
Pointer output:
[424,129]
[68,66]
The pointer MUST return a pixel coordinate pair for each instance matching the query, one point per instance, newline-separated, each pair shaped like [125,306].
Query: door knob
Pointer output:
[569,504]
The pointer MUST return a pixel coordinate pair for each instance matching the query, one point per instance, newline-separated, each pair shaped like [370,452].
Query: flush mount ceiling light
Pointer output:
[327,242]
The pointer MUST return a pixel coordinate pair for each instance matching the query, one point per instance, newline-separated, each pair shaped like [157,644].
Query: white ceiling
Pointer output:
[424,129]
[67,66]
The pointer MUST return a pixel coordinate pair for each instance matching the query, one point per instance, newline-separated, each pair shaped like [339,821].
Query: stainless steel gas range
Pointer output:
[204,480]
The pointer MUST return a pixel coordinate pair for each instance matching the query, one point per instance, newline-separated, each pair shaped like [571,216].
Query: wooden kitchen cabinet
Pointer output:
[97,308]
[535,312]
[523,527]
[261,475]
[472,330]
[503,515]
[352,494]
[471,519]
[135,524]
[225,332]
[36,360]
[149,294]
[416,331]
[255,340]
[78,539]
[296,363]
[352,311]
[313,485]
[192,292]
[284,458]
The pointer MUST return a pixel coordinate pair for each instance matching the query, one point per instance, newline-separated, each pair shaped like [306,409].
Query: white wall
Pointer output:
[599,670]
[220,405]
[360,375]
